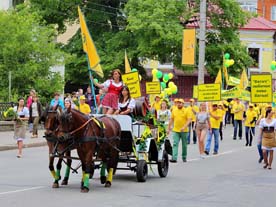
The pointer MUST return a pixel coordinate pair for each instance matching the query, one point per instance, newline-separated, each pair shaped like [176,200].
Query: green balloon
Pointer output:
[273,67]
[159,74]
[134,70]
[163,85]
[226,65]
[166,77]
[96,80]
[174,91]
[226,56]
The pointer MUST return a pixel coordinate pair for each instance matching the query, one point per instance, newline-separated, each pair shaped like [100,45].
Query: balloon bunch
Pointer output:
[135,70]
[273,65]
[167,86]
[228,62]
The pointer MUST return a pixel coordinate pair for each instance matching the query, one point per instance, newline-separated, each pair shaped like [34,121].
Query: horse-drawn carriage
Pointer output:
[106,142]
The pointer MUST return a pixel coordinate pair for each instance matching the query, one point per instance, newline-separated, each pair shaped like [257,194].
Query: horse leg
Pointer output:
[67,171]
[109,178]
[87,167]
[102,173]
[57,174]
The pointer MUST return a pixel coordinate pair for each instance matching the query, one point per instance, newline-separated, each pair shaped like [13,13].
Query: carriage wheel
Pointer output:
[163,166]
[142,171]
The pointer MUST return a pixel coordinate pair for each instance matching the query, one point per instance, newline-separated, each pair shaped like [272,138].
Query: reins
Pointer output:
[82,126]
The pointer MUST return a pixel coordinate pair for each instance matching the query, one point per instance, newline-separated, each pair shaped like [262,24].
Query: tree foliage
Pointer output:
[27,50]
[147,28]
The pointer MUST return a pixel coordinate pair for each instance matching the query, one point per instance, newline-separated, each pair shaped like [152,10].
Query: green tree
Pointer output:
[28,50]
[150,29]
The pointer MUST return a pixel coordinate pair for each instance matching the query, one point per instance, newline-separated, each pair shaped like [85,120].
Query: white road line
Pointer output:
[22,190]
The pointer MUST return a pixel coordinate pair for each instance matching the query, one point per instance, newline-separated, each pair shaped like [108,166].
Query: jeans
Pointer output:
[259,146]
[177,136]
[236,123]
[249,133]
[214,132]
[191,126]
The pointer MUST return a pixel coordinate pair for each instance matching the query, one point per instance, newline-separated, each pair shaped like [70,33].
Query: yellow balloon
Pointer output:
[170,76]
[154,71]
[231,62]
[274,62]
[171,84]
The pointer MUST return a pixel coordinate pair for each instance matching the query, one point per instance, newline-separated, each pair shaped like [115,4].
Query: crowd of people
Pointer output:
[188,123]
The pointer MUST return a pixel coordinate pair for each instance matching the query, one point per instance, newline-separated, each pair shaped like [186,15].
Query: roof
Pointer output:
[259,23]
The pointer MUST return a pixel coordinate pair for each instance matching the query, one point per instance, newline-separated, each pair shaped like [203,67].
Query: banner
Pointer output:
[195,91]
[232,81]
[131,80]
[89,46]
[236,93]
[188,47]
[219,77]
[127,65]
[209,92]
[261,88]
[153,87]
[243,80]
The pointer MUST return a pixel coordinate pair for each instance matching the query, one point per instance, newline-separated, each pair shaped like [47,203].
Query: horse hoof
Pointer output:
[107,184]
[84,190]
[103,179]
[55,185]
[64,182]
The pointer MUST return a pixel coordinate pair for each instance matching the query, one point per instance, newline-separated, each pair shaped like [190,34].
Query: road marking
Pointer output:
[22,190]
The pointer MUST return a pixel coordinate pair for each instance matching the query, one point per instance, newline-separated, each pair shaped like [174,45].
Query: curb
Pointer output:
[30,145]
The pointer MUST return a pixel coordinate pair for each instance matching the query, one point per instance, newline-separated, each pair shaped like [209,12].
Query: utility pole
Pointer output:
[202,32]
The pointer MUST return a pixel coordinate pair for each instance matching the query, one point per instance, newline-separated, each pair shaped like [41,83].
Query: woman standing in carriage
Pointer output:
[126,104]
[113,87]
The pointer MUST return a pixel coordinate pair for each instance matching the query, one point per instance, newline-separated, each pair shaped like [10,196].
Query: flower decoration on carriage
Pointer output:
[10,114]
[146,134]
[162,134]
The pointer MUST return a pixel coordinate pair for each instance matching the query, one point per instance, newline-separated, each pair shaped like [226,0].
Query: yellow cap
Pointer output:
[82,97]
[181,100]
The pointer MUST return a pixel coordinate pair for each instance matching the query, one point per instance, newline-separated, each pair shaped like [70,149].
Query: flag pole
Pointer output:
[91,83]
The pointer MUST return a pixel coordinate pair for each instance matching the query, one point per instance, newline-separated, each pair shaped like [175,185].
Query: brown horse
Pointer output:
[98,137]
[55,146]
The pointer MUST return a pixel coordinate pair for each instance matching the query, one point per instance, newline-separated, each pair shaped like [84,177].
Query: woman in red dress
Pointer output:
[112,87]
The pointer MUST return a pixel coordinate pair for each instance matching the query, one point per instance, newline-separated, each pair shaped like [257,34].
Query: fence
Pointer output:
[4,107]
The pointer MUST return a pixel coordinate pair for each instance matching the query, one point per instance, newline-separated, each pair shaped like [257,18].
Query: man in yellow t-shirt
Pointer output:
[180,119]
[222,111]
[215,117]
[83,107]
[251,118]
[193,110]
[238,109]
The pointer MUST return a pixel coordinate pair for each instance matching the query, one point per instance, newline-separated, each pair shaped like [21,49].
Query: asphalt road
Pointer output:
[231,178]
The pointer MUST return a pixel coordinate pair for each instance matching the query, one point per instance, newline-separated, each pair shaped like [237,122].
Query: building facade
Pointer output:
[267,9]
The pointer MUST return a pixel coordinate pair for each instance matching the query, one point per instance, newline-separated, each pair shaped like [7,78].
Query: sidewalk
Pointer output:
[7,142]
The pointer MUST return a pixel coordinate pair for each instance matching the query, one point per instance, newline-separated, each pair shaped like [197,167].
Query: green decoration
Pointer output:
[226,56]
[159,74]
[272,67]
[163,85]
[134,70]
[96,80]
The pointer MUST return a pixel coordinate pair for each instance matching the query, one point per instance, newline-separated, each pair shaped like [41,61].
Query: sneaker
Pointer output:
[184,160]
[202,156]
[34,136]
[260,160]
[173,161]
[215,153]
[206,152]
[234,138]
[240,138]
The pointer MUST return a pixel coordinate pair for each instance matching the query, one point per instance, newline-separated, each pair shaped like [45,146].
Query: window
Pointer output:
[273,13]
[254,54]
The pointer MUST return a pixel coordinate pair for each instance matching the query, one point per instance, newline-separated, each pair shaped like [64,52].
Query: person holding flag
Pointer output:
[112,87]
[251,118]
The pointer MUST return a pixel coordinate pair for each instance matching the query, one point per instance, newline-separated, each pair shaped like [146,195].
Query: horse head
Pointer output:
[69,121]
[51,120]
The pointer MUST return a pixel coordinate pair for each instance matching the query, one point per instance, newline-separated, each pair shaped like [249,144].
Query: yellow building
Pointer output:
[259,36]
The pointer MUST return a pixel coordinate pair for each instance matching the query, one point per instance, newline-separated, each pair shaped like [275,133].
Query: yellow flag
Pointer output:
[188,47]
[243,80]
[218,78]
[89,46]
[225,74]
[127,65]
